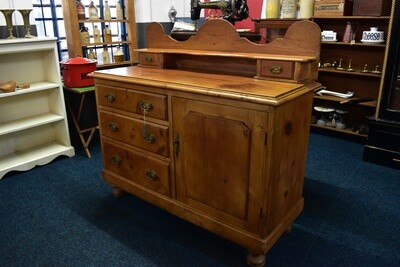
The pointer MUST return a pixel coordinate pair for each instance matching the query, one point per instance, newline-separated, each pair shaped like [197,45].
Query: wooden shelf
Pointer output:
[364,85]
[105,43]
[125,63]
[33,121]
[26,159]
[355,73]
[345,131]
[371,104]
[382,45]
[352,17]
[28,122]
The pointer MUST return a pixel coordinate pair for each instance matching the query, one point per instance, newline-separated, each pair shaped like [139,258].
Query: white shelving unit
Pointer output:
[33,121]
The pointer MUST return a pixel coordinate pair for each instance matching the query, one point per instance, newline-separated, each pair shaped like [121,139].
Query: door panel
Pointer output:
[218,165]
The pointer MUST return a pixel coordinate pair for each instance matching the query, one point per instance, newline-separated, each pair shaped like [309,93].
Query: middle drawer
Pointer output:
[149,136]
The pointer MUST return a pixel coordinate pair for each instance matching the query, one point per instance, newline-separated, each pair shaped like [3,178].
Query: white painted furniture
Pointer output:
[33,122]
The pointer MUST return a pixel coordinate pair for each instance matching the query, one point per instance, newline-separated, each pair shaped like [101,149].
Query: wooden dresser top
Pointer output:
[228,86]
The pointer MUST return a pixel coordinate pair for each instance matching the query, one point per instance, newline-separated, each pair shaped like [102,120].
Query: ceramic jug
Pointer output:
[306,8]
[272,9]
[289,9]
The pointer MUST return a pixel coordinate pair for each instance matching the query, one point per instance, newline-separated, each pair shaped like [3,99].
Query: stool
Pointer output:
[81,91]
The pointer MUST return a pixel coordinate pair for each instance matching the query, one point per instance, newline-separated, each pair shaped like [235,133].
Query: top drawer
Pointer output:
[154,105]
[287,71]
[150,59]
[277,69]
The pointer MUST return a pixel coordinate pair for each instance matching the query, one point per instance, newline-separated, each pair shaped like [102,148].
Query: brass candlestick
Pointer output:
[25,16]
[339,67]
[8,16]
[350,68]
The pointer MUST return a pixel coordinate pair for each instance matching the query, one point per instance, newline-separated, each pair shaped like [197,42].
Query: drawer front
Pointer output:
[277,69]
[154,105]
[149,136]
[149,59]
[144,170]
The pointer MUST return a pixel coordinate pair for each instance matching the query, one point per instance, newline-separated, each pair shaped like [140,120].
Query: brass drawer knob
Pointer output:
[276,69]
[113,126]
[109,98]
[116,160]
[149,138]
[149,59]
[151,175]
[146,105]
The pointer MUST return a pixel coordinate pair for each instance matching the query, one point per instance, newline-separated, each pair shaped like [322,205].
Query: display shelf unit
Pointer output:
[365,85]
[33,124]
[124,32]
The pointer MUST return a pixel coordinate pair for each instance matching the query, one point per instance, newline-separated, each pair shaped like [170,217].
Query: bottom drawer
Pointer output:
[141,169]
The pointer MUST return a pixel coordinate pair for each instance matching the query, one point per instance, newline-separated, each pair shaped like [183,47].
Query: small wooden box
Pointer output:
[332,8]
[372,7]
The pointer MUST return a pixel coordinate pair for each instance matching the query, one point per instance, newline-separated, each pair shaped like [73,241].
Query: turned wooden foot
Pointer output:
[117,192]
[255,260]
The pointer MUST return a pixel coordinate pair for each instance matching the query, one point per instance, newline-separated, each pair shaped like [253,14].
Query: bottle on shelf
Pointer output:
[93,13]
[85,38]
[120,12]
[118,55]
[105,55]
[96,34]
[107,11]
[107,34]
[80,8]
[91,54]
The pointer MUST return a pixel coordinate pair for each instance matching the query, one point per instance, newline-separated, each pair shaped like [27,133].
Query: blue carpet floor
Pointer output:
[62,214]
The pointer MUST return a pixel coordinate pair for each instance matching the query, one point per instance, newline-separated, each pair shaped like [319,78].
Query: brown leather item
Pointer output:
[8,87]
[371,7]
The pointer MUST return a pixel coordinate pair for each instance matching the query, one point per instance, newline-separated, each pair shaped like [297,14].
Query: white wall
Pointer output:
[157,10]
[16,4]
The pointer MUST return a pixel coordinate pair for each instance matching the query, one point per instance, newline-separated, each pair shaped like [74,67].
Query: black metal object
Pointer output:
[232,10]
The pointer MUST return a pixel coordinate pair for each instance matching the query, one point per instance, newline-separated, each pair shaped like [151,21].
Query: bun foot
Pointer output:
[255,260]
[117,192]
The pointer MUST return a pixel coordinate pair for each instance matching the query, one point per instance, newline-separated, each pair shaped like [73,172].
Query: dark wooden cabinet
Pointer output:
[383,144]
[355,67]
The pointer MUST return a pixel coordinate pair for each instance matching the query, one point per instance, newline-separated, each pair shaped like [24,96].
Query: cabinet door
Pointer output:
[219,158]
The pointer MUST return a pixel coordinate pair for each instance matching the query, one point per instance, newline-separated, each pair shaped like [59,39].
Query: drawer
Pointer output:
[150,59]
[141,169]
[133,101]
[277,69]
[151,137]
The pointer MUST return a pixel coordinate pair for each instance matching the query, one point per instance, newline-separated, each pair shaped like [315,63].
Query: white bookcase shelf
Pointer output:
[33,122]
